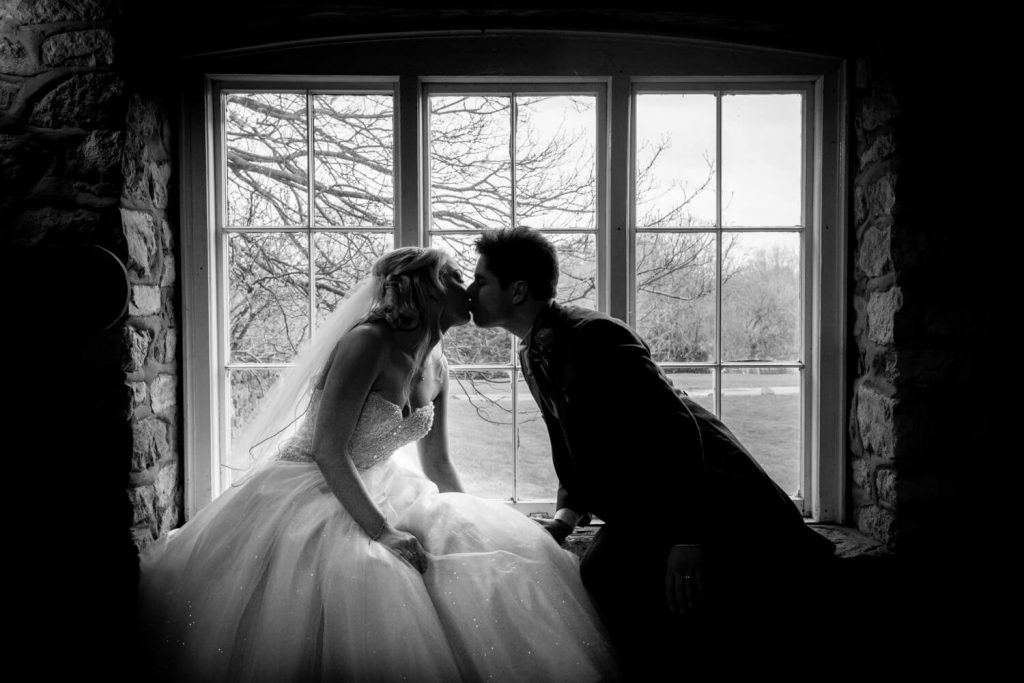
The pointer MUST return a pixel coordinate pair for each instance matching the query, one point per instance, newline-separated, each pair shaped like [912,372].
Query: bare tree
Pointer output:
[488,168]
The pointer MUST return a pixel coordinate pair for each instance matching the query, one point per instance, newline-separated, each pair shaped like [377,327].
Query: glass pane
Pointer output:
[556,139]
[480,432]
[762,149]
[267,170]
[470,165]
[269,295]
[577,263]
[354,150]
[248,387]
[675,303]
[537,478]
[469,344]
[698,383]
[762,408]
[342,260]
[675,160]
[761,297]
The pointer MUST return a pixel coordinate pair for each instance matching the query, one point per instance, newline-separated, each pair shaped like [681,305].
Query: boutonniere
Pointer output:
[541,343]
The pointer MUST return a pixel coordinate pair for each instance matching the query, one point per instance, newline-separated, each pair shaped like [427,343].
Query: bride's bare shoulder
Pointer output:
[366,332]
[364,342]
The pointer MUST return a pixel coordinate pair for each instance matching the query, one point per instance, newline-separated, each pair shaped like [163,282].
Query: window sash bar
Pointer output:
[306,228]
[311,197]
[727,228]
[718,256]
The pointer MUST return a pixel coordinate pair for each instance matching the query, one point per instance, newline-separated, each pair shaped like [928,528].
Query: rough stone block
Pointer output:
[140,234]
[159,174]
[885,484]
[137,341]
[876,109]
[164,394]
[142,499]
[882,309]
[150,443]
[168,273]
[166,236]
[876,522]
[882,148]
[874,257]
[93,47]
[89,100]
[874,198]
[170,310]
[145,300]
[167,485]
[860,470]
[142,537]
[875,422]
[46,11]
[169,517]
[166,346]
[144,123]
[9,92]
[15,57]
[95,164]
[140,394]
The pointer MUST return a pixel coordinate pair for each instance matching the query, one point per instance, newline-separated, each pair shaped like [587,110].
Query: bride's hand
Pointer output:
[406,546]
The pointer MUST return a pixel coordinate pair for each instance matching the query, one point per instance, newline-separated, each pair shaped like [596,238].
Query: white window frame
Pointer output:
[627,65]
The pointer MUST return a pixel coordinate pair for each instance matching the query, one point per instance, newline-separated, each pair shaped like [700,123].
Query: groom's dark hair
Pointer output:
[521,254]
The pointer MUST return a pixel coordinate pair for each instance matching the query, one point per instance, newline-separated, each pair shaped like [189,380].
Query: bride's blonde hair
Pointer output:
[404,284]
[408,279]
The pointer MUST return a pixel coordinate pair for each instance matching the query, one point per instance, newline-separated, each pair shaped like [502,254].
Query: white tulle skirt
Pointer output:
[274,581]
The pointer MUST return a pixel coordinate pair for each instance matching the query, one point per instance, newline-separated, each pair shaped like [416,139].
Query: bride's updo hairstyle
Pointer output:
[410,282]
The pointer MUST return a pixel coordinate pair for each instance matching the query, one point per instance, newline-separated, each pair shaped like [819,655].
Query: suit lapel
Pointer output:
[535,358]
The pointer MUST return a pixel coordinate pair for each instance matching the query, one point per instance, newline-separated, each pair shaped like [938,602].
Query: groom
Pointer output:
[697,539]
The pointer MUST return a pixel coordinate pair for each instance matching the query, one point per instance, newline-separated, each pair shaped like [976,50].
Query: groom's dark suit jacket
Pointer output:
[626,444]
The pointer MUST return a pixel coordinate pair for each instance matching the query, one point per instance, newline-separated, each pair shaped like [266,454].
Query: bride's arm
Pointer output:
[433,448]
[356,363]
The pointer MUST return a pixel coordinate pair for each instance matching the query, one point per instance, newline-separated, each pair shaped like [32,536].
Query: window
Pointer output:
[719,206]
[701,208]
[500,156]
[291,244]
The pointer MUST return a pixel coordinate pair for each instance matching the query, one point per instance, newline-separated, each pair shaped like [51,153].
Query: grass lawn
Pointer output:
[761,410]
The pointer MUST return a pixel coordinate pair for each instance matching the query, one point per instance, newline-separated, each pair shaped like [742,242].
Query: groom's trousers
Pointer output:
[756,596]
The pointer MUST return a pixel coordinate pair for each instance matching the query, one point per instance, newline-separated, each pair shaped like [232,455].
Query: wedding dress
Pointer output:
[275,581]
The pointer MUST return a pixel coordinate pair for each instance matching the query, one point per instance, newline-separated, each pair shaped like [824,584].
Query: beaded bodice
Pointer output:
[380,431]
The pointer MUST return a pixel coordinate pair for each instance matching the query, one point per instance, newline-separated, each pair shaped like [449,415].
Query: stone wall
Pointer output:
[151,332]
[85,158]
[922,317]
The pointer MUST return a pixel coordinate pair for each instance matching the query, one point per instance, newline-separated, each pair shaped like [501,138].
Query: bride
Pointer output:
[331,561]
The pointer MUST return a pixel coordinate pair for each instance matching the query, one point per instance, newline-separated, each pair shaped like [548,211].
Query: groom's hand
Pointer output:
[558,529]
[684,578]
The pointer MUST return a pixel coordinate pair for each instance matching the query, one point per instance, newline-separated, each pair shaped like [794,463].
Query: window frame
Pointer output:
[669,61]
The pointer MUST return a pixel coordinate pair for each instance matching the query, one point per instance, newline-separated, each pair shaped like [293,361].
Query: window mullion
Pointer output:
[719,265]
[620,277]
[310,198]
[513,376]
[412,224]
